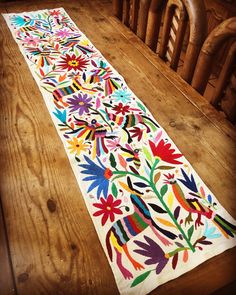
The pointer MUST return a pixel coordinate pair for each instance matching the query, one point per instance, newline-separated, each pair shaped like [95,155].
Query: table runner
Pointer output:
[154,216]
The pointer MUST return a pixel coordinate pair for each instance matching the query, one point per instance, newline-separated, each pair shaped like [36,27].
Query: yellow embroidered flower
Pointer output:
[77,146]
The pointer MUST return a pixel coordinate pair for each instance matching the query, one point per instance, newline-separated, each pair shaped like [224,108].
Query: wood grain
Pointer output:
[53,244]
[7,286]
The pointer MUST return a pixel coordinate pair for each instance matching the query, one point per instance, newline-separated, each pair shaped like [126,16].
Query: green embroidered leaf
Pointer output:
[113,161]
[107,105]
[38,75]
[53,67]
[140,278]
[190,232]
[114,190]
[147,154]
[142,107]
[62,83]
[76,51]
[164,190]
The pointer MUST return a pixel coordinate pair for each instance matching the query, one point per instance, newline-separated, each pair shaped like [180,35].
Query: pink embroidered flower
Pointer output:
[63,33]
[113,144]
[31,41]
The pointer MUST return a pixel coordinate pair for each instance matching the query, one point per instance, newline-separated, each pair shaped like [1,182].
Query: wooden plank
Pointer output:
[7,286]
[54,247]
[218,125]
[195,98]
[6,278]
[196,127]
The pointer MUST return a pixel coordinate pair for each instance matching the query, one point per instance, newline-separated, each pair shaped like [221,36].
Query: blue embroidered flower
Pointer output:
[189,182]
[98,174]
[122,95]
[60,115]
[210,232]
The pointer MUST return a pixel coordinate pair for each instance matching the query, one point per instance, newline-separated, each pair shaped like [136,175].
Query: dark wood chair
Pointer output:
[167,20]
[224,94]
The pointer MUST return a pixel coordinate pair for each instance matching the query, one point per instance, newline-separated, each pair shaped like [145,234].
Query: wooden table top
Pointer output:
[48,244]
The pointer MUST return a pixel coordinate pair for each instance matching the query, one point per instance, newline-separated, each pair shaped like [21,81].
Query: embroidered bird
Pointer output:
[72,42]
[94,132]
[193,204]
[45,55]
[103,73]
[131,120]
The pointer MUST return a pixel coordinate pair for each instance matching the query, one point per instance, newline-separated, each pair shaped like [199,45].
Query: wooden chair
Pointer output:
[224,94]
[145,18]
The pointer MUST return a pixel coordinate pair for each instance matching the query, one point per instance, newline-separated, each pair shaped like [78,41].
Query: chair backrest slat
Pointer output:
[142,18]
[224,75]
[154,23]
[145,19]
[215,40]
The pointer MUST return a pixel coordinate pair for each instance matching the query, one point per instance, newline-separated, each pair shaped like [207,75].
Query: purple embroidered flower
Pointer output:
[79,103]
[154,253]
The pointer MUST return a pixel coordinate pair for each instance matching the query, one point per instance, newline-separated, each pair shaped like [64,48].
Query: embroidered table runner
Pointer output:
[154,216]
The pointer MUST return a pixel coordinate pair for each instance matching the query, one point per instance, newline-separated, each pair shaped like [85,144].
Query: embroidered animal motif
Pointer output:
[194,205]
[126,228]
[132,155]
[75,86]
[94,132]
[72,42]
[104,73]
[131,120]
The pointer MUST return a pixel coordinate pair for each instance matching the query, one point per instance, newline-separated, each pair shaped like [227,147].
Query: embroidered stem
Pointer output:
[153,186]
[172,216]
[172,253]
[124,173]
[101,115]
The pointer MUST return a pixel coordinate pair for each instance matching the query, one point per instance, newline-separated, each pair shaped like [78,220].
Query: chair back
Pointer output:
[224,94]
[162,24]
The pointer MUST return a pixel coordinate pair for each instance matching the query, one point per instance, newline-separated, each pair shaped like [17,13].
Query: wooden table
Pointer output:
[48,244]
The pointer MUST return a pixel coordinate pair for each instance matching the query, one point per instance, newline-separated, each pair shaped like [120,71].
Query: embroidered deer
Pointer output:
[126,228]
[75,86]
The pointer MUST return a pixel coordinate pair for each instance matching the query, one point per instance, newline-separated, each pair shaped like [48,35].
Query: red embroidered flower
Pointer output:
[108,208]
[164,152]
[73,62]
[55,12]
[120,108]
